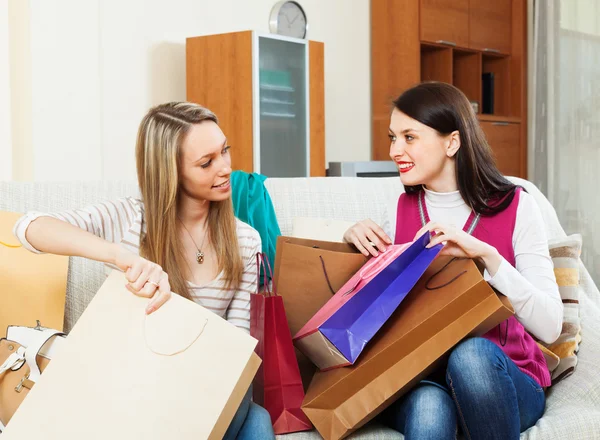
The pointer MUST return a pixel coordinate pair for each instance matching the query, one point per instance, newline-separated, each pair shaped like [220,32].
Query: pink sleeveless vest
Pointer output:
[496,230]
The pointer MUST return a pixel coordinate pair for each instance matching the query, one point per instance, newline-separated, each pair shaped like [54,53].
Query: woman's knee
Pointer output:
[474,354]
[473,366]
[430,413]
[429,399]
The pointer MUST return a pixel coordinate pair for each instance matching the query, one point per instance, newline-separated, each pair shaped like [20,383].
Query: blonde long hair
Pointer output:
[158,158]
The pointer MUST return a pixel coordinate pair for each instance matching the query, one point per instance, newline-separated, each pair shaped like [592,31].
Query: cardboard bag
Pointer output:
[450,302]
[307,275]
[363,305]
[180,372]
[32,287]
[277,385]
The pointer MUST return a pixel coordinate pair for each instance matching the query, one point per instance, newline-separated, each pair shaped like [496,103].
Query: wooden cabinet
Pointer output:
[490,24]
[268,93]
[445,22]
[504,138]
[395,63]
[436,63]
[410,44]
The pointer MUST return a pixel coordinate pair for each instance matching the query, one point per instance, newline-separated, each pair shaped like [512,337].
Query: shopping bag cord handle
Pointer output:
[326,276]
[440,271]
[505,334]
[12,246]
[263,261]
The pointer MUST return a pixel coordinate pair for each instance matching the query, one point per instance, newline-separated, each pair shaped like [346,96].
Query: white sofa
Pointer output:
[573,408]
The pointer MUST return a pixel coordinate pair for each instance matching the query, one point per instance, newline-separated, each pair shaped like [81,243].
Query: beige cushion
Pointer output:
[565,254]
[323,229]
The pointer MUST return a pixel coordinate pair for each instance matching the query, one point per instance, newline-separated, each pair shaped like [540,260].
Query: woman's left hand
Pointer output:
[457,243]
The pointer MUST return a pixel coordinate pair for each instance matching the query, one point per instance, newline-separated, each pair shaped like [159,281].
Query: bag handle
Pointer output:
[11,246]
[33,349]
[326,276]
[14,361]
[370,269]
[263,261]
[500,338]
[378,264]
[440,271]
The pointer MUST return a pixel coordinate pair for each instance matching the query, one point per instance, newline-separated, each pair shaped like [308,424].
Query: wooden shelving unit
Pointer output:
[454,41]
[269,95]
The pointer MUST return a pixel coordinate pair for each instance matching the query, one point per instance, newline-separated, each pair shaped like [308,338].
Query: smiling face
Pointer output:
[423,156]
[205,166]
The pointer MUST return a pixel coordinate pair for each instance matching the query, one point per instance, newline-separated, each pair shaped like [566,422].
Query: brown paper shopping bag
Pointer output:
[450,302]
[32,287]
[179,372]
[307,274]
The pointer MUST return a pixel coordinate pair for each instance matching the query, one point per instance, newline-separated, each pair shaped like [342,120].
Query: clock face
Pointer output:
[291,20]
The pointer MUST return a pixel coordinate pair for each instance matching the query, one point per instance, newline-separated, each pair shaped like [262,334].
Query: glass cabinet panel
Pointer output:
[283,108]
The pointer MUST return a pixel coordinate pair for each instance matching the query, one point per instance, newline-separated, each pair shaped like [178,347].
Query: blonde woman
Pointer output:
[181,236]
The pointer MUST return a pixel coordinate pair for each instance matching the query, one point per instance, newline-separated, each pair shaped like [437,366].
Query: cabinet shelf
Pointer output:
[276,101]
[496,118]
[276,88]
[278,115]
[454,41]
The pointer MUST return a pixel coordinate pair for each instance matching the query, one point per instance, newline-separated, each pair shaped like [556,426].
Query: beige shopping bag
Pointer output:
[180,372]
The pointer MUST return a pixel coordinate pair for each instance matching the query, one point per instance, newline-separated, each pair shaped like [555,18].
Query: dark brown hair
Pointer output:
[445,108]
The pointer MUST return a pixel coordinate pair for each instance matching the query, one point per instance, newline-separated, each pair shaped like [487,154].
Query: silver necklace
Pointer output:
[199,253]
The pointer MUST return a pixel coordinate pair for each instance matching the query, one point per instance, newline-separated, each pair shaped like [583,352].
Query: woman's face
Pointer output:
[423,156]
[205,163]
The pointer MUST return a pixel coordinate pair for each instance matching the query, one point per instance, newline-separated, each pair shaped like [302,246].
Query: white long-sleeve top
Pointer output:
[531,285]
[121,222]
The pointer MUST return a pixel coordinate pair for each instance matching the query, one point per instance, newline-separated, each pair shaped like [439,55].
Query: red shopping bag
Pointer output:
[277,385]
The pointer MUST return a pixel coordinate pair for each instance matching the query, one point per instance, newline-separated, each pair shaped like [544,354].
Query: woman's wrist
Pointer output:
[491,259]
[113,253]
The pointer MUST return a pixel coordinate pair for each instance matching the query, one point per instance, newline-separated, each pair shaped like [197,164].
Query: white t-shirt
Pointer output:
[531,285]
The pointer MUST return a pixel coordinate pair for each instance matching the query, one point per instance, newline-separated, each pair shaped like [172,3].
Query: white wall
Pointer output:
[98,65]
[5,120]
[580,16]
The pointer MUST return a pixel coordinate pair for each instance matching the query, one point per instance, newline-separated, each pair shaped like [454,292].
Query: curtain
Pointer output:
[564,141]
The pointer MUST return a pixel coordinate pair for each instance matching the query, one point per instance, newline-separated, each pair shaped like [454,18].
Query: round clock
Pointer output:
[289,19]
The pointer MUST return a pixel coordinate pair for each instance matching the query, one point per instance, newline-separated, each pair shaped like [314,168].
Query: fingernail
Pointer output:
[149,310]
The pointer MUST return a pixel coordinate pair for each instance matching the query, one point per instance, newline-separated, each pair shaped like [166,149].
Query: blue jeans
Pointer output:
[251,422]
[487,395]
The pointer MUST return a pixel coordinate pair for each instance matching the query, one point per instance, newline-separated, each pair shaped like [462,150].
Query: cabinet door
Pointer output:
[490,25]
[283,117]
[504,138]
[445,21]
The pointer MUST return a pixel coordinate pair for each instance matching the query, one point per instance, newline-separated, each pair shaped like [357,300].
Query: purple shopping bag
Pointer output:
[339,340]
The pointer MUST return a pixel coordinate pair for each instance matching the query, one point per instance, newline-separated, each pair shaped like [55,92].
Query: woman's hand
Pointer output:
[457,243]
[145,278]
[368,238]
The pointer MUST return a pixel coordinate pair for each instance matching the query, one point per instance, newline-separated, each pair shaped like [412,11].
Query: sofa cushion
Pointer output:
[565,254]
[323,229]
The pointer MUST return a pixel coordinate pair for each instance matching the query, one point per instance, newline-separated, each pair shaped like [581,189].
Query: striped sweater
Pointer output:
[121,222]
